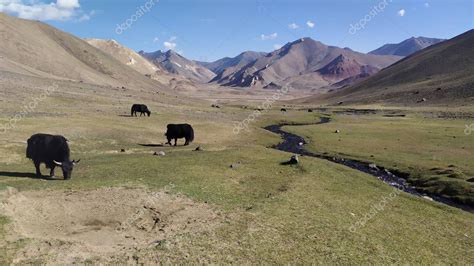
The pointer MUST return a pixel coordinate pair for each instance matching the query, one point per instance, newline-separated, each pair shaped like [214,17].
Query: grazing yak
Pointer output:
[179,131]
[52,151]
[140,108]
[283,109]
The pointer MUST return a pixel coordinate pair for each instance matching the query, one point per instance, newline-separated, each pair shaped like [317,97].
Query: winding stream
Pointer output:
[292,143]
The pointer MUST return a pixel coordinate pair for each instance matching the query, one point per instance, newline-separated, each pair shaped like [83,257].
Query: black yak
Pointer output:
[179,131]
[140,108]
[52,151]
[283,109]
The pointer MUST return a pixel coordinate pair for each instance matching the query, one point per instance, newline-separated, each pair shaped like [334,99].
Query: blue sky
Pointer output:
[211,29]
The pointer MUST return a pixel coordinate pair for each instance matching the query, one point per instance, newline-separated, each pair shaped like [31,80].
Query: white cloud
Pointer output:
[427,4]
[272,36]
[401,12]
[310,24]
[293,26]
[34,9]
[67,4]
[86,17]
[277,46]
[169,45]
[156,39]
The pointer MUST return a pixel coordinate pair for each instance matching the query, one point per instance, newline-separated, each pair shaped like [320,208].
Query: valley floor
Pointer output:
[232,202]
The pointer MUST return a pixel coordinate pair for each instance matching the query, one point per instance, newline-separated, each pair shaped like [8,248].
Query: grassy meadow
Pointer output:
[315,212]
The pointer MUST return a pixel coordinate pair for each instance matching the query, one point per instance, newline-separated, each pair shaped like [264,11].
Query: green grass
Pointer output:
[273,213]
[435,152]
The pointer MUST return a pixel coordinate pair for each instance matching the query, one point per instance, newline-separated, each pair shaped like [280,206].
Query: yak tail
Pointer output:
[30,150]
[191,135]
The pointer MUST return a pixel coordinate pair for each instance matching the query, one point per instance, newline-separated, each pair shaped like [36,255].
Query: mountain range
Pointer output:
[407,47]
[177,64]
[305,58]
[439,74]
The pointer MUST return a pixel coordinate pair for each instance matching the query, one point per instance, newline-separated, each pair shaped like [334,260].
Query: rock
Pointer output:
[198,148]
[160,153]
[373,166]
[294,159]
[337,131]
[428,198]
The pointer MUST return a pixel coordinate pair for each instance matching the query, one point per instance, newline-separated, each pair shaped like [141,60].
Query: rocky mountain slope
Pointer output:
[174,63]
[441,74]
[307,59]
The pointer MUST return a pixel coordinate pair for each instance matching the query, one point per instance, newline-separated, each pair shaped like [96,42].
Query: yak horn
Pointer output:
[76,162]
[58,163]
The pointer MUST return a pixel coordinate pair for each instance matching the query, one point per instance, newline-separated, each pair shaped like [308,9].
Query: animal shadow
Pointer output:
[151,145]
[23,175]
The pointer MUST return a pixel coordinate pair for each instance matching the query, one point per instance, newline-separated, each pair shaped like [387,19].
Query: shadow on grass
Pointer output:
[25,175]
[152,145]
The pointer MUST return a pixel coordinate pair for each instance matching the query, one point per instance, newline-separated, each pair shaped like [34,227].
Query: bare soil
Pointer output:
[108,223]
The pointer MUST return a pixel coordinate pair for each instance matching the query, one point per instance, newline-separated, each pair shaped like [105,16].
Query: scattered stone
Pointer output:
[293,160]
[422,100]
[339,103]
[160,153]
[373,166]
[198,148]
[428,198]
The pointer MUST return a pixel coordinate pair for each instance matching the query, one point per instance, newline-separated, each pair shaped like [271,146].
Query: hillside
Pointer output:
[407,47]
[125,55]
[36,49]
[441,74]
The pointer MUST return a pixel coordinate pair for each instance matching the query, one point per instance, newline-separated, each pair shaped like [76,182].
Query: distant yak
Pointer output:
[283,109]
[179,131]
[140,108]
[52,151]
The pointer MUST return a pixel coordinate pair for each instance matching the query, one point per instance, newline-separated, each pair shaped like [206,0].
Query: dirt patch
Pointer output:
[104,224]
